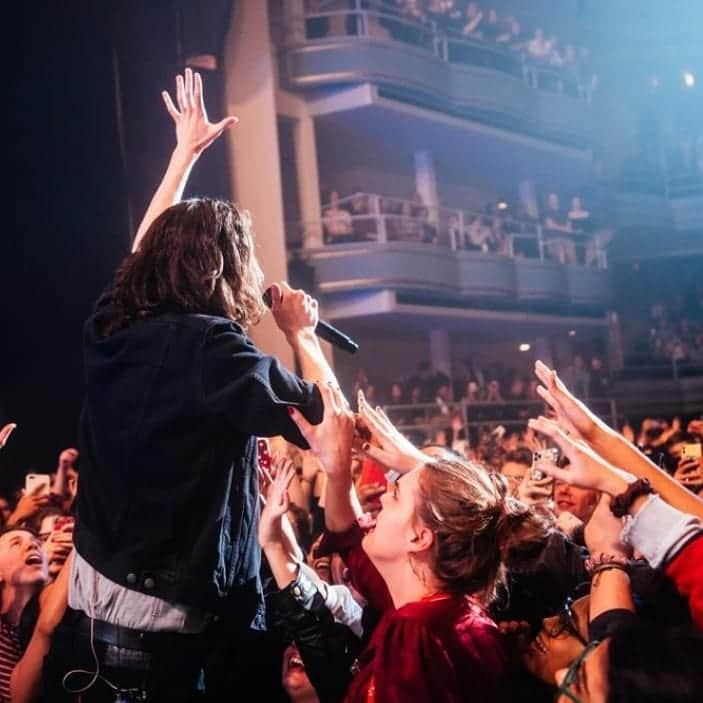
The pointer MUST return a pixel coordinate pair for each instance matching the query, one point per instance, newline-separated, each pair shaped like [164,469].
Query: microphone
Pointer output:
[325,331]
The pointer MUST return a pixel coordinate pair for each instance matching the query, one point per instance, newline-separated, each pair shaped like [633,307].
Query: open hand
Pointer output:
[571,414]
[331,440]
[194,131]
[386,444]
[277,502]
[586,468]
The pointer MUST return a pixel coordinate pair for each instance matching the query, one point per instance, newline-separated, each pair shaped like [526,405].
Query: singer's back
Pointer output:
[176,394]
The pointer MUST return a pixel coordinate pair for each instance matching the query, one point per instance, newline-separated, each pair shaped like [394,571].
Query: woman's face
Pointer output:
[392,536]
[556,644]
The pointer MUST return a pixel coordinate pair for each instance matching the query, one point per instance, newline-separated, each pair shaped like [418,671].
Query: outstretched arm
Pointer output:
[194,134]
[576,419]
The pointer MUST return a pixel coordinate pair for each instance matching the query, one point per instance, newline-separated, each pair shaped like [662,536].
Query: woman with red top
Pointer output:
[430,564]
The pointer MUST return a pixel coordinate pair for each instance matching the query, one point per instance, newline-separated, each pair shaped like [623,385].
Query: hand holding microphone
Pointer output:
[295,310]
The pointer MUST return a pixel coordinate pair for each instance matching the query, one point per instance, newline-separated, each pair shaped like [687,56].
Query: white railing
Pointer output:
[325,19]
[370,217]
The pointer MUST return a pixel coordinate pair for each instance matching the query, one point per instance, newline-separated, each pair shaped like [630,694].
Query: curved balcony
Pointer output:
[420,64]
[455,277]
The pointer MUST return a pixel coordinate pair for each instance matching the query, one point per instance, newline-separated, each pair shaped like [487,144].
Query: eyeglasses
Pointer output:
[567,622]
[573,671]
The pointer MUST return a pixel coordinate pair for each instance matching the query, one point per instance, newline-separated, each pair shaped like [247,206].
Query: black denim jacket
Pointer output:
[167,500]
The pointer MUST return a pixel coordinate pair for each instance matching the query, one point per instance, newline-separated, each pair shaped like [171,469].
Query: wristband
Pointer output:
[620,504]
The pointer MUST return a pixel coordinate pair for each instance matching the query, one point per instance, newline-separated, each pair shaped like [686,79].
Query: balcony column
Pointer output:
[426,182]
[440,351]
[527,191]
[308,180]
[294,20]
[253,150]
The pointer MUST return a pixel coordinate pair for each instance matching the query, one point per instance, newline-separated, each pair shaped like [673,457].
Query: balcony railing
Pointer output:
[384,21]
[427,418]
[376,218]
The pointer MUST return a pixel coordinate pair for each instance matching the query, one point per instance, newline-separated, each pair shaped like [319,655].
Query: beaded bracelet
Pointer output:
[594,562]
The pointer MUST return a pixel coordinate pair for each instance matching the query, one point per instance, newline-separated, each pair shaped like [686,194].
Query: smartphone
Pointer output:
[541,457]
[263,452]
[32,481]
[691,451]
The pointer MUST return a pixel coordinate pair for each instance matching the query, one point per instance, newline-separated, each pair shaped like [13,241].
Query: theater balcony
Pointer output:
[452,265]
[417,64]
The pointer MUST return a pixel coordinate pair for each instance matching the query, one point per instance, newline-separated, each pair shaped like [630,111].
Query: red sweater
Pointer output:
[442,648]
[686,571]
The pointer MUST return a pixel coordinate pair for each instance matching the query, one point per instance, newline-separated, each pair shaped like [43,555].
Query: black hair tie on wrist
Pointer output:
[620,504]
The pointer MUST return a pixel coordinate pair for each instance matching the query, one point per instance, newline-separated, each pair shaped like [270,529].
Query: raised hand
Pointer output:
[277,502]
[603,531]
[29,505]
[386,445]
[586,469]
[571,414]
[194,131]
[535,491]
[331,440]
[5,433]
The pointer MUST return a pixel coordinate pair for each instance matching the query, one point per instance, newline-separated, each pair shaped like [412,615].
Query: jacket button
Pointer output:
[149,583]
[131,579]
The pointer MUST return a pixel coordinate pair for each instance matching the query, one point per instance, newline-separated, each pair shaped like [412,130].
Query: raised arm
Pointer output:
[574,417]
[331,442]
[194,134]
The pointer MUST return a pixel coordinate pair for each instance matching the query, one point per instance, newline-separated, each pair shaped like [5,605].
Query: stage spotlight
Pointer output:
[689,80]
[524,347]
[572,333]
[502,205]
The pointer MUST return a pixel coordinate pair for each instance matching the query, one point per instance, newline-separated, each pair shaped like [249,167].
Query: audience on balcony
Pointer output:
[569,237]
[337,221]
[411,20]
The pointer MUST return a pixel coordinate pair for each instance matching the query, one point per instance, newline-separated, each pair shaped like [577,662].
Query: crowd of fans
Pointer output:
[331,623]
[672,333]
[570,235]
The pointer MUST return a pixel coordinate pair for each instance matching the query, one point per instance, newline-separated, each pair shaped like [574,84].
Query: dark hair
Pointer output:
[196,257]
[478,528]
[521,455]
[650,664]
[19,528]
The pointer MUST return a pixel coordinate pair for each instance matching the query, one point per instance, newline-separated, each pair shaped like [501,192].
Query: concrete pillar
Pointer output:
[294,21]
[527,191]
[308,180]
[250,93]
[426,182]
[440,351]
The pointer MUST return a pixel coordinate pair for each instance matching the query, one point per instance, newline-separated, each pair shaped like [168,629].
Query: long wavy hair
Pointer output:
[196,257]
